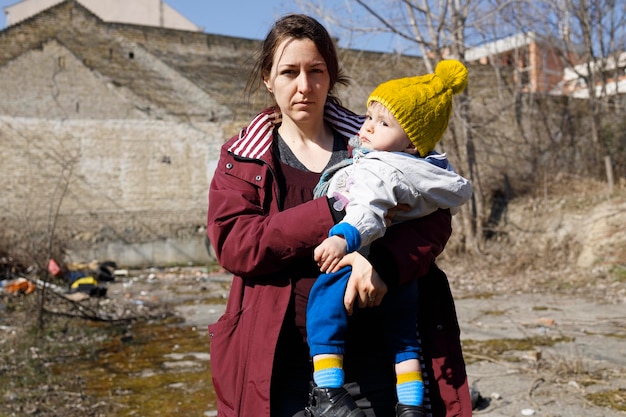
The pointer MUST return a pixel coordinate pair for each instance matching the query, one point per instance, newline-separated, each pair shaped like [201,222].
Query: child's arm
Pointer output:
[343,238]
[330,252]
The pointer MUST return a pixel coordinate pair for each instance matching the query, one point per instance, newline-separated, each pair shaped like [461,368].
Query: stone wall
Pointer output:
[128,183]
[49,82]
[138,76]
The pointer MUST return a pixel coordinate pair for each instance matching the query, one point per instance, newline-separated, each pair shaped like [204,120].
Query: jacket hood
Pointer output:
[255,140]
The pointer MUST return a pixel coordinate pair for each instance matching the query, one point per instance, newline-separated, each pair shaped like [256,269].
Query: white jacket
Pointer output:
[377,181]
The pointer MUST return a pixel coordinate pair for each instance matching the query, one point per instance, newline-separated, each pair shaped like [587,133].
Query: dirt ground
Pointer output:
[545,355]
[538,353]
[542,308]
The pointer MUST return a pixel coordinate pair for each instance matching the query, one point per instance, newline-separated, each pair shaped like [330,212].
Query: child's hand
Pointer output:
[329,253]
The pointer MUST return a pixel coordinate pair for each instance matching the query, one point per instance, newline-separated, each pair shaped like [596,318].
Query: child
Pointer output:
[393,164]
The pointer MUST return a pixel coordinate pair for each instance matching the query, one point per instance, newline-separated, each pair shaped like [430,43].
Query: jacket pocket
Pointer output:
[226,363]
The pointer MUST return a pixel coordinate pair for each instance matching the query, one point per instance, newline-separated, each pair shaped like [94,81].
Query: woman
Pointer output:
[264,224]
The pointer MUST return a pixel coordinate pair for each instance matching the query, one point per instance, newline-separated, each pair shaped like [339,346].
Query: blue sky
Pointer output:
[241,18]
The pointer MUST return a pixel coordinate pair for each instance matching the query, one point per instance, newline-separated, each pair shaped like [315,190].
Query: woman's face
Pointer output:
[299,80]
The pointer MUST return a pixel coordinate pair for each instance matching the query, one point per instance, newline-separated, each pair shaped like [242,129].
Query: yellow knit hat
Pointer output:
[422,105]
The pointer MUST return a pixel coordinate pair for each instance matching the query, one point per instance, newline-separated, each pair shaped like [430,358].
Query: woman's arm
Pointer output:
[249,234]
[408,249]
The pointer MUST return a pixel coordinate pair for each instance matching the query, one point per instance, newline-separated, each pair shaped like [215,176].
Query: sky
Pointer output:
[240,18]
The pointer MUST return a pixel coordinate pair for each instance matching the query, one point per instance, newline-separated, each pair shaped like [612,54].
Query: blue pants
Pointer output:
[327,319]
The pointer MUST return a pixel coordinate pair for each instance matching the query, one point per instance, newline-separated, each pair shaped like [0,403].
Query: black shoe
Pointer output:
[332,402]
[410,410]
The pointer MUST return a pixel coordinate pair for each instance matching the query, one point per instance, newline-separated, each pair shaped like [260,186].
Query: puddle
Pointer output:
[159,369]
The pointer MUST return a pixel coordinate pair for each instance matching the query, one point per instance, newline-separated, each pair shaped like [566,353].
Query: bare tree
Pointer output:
[38,240]
[590,39]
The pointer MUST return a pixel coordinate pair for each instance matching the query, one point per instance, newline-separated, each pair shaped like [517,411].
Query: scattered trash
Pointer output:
[40,284]
[19,286]
[574,384]
[546,321]
[532,355]
[53,267]
[528,412]
[478,401]
[10,268]
[77,296]
[88,285]
[90,278]
[105,271]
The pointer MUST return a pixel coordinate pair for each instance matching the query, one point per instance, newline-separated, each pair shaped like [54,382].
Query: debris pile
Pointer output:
[74,290]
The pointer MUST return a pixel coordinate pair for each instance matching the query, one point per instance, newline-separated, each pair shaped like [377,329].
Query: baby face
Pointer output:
[382,132]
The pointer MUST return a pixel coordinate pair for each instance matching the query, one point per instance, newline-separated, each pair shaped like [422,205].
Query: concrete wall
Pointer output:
[51,83]
[105,140]
[132,191]
[72,66]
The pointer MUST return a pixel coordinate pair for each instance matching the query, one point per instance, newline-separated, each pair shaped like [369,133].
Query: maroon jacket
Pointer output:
[255,240]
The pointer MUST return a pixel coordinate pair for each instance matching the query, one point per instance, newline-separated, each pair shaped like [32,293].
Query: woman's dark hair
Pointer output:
[297,26]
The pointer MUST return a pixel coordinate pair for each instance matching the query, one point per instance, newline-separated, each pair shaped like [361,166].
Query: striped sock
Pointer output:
[328,372]
[410,388]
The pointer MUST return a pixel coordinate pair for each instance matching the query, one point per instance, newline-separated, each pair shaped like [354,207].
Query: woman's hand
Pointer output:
[364,283]
[393,212]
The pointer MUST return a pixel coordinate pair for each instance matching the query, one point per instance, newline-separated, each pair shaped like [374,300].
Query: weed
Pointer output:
[615,399]
[497,348]
[493,312]
[619,273]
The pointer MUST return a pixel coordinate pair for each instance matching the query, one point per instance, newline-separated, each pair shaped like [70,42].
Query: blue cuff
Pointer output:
[349,233]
